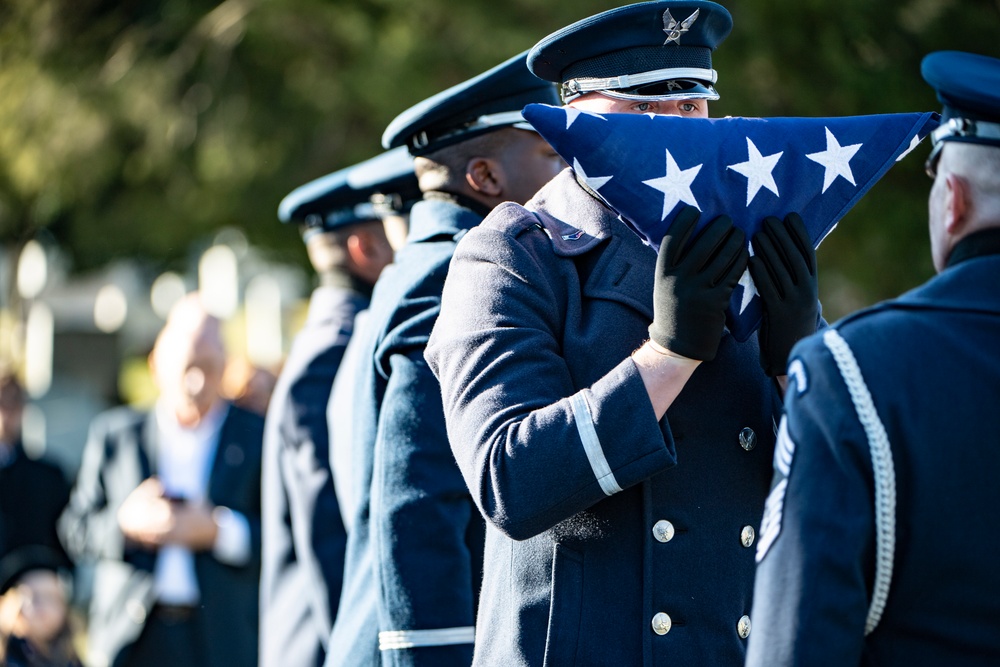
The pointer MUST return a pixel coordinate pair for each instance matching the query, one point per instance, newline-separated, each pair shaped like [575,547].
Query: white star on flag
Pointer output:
[747,283]
[835,159]
[758,170]
[595,182]
[573,113]
[675,186]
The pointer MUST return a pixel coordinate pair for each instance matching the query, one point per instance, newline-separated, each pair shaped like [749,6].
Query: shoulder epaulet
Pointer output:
[511,219]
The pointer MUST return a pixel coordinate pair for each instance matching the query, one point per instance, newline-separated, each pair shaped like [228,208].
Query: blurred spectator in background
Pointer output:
[32,492]
[34,609]
[168,502]
[302,563]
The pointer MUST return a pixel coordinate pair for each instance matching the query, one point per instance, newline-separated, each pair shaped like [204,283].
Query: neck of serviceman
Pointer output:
[470,201]
[980,243]
[343,279]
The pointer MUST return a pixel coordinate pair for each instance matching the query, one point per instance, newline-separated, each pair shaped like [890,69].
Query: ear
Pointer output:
[360,247]
[485,176]
[367,250]
[957,203]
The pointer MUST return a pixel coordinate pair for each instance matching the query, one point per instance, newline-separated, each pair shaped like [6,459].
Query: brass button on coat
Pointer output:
[662,623]
[663,530]
[743,627]
[748,439]
[747,536]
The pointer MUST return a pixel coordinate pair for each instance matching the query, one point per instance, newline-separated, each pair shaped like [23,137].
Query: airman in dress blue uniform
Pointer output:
[302,561]
[879,542]
[414,557]
[622,466]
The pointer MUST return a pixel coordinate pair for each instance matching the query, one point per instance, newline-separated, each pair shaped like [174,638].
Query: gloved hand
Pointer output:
[784,269]
[693,283]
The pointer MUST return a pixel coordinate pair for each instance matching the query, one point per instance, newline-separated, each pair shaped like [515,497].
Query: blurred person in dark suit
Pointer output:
[168,502]
[32,492]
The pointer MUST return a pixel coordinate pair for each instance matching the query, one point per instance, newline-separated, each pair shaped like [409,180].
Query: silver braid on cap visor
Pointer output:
[959,127]
[574,88]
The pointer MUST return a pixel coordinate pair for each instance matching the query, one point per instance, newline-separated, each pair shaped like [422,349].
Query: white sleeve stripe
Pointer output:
[401,639]
[592,445]
[882,465]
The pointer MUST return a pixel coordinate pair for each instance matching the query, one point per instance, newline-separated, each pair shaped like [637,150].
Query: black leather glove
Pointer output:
[784,269]
[694,282]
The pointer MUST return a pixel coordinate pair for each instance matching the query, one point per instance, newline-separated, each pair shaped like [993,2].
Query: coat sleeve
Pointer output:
[88,526]
[317,528]
[534,448]
[421,511]
[816,549]
[422,515]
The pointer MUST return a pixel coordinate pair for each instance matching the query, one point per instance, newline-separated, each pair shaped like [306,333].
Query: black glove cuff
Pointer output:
[701,348]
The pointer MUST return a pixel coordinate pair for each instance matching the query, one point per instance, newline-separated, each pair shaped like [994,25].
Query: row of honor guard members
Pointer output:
[534,352]
[411,579]
[304,538]
[414,555]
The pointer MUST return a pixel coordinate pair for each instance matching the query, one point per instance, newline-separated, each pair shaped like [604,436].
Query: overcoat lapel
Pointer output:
[229,456]
[149,446]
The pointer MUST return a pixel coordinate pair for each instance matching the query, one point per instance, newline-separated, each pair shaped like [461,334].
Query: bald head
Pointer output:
[979,165]
[188,361]
[965,197]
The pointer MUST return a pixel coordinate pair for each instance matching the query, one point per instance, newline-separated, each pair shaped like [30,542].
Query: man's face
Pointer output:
[598,103]
[529,163]
[42,607]
[189,375]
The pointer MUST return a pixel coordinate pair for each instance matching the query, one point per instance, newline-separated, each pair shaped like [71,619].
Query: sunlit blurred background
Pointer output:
[144,147]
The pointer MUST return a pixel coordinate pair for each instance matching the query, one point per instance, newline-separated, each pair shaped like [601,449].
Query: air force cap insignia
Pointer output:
[673,29]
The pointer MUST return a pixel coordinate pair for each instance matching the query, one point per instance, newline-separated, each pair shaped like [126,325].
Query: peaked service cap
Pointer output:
[484,103]
[646,51]
[968,85]
[382,184]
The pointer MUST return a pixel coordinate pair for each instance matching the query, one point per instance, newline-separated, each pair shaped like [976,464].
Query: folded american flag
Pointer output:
[646,166]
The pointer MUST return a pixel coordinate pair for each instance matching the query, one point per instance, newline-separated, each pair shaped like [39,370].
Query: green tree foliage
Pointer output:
[131,128]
